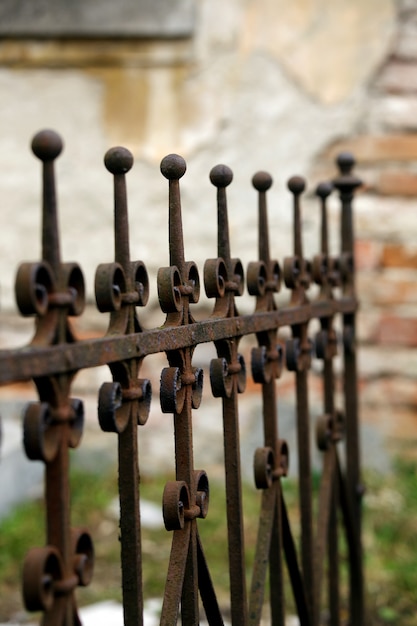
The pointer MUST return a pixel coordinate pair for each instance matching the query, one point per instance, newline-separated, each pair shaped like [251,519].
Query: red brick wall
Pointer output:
[385,147]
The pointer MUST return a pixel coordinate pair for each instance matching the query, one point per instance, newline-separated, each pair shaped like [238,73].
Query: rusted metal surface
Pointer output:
[53,291]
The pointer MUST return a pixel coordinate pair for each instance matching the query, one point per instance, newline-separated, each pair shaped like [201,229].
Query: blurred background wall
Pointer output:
[256,84]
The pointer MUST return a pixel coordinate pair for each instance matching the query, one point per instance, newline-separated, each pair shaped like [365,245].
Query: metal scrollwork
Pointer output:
[120,287]
[185,499]
[52,291]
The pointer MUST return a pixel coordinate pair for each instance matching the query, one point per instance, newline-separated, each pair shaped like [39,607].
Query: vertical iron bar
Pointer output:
[189,601]
[234,505]
[47,146]
[262,181]
[333,556]
[296,185]
[333,576]
[353,478]
[57,495]
[121,223]
[54,392]
[333,560]
[305,484]
[173,168]
[119,161]
[276,573]
[130,531]
[221,176]
[346,183]
[326,274]
[185,471]
[324,513]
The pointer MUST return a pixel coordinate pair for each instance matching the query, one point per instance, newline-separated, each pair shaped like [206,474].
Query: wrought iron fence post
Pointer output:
[298,353]
[325,270]
[186,498]
[347,183]
[51,291]
[124,404]
[228,379]
[271,461]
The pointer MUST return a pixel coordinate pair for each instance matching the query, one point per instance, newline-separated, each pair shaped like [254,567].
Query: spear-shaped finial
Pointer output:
[262,181]
[173,167]
[221,176]
[296,185]
[118,162]
[347,183]
[47,146]
[323,191]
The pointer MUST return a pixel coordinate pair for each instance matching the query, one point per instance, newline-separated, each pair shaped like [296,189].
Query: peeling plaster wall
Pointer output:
[261,84]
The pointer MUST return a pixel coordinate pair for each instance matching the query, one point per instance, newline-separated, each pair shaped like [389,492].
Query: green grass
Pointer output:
[390,545]
[389,537]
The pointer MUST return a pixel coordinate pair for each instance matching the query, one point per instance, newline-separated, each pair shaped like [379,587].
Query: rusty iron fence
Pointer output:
[52,291]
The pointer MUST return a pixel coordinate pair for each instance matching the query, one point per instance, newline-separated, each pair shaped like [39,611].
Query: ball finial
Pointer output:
[47,145]
[262,181]
[221,176]
[118,160]
[324,190]
[296,185]
[345,162]
[173,166]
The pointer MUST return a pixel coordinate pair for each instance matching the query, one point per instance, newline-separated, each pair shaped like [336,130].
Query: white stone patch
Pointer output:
[150,513]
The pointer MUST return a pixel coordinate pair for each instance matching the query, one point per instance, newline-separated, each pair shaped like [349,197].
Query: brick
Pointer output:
[394,113]
[390,219]
[397,183]
[376,362]
[367,324]
[388,288]
[398,77]
[406,48]
[400,391]
[367,254]
[398,331]
[377,148]
[398,256]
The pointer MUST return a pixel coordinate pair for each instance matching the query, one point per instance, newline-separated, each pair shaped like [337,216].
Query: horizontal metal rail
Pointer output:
[18,364]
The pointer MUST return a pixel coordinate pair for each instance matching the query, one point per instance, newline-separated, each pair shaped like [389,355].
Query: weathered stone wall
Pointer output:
[385,143]
[261,84]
